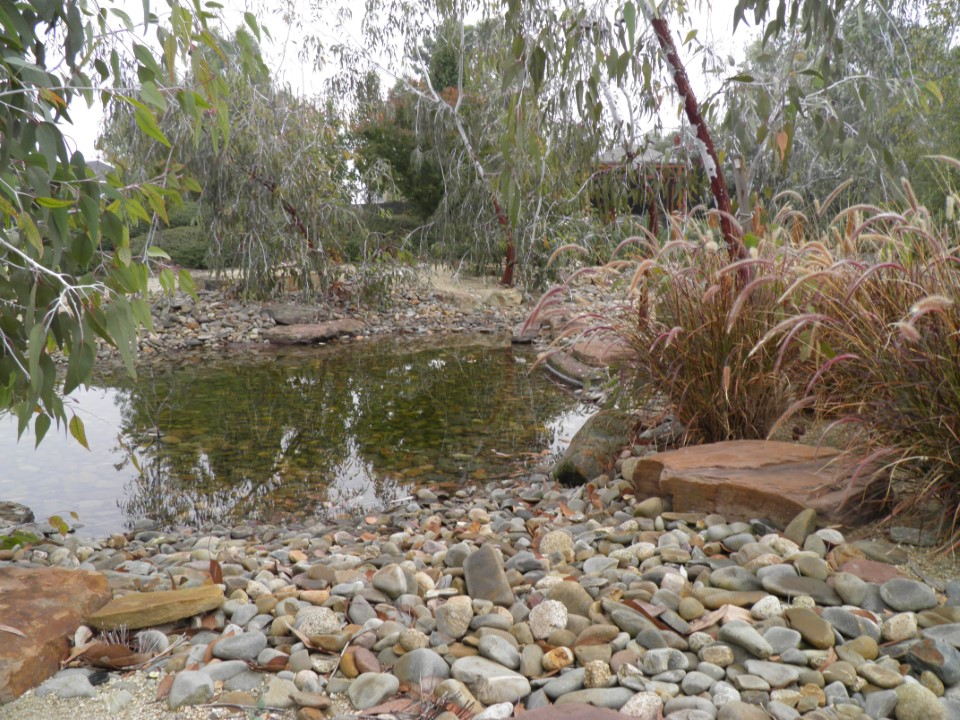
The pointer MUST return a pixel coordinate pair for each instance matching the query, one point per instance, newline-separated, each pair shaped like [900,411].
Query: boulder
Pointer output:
[756,478]
[596,446]
[44,605]
[147,609]
[312,333]
[603,351]
[571,371]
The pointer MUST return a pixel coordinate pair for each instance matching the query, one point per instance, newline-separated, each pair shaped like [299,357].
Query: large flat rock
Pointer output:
[602,351]
[46,605]
[755,478]
[312,333]
[147,609]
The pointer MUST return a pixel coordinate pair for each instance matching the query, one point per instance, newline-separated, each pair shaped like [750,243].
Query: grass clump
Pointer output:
[696,336]
[885,357]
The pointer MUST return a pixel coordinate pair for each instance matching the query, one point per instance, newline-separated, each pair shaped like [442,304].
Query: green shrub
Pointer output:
[186,245]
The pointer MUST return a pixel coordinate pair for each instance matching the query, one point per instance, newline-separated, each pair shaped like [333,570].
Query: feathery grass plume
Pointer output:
[700,349]
[886,353]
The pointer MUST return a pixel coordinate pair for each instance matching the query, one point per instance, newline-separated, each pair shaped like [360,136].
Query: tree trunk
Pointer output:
[510,260]
[708,154]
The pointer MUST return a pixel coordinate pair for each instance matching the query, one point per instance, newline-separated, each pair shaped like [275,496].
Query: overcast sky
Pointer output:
[714,26]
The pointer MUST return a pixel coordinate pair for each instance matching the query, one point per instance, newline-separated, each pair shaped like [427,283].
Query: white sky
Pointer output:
[714,25]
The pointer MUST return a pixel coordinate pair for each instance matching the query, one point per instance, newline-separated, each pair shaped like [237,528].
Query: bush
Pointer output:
[187,245]
[696,338]
[885,358]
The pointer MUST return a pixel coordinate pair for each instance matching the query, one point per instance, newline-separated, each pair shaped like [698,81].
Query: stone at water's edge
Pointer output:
[309,334]
[755,478]
[594,449]
[147,609]
[12,513]
[46,605]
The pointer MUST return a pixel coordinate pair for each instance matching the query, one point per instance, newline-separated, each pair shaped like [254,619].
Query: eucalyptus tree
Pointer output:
[276,194]
[885,105]
[60,288]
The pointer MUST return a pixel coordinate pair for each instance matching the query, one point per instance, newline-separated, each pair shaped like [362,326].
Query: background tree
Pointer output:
[276,193]
[889,102]
[60,287]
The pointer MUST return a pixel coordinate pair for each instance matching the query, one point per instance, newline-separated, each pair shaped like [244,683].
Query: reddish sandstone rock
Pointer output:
[754,478]
[601,351]
[46,605]
[309,334]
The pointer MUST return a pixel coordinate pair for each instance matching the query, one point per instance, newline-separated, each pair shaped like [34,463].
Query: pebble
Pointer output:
[500,598]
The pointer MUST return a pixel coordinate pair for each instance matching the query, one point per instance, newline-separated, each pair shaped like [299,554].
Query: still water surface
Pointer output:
[290,433]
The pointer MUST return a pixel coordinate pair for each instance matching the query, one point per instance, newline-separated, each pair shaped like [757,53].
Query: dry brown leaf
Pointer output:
[112,656]
[163,688]
[216,572]
[721,616]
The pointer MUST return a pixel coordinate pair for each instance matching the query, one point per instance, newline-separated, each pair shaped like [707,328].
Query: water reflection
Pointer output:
[296,432]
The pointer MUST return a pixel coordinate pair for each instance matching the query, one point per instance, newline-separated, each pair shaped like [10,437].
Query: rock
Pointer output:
[313,620]
[557,659]
[372,689]
[936,656]
[292,313]
[643,706]
[816,631]
[312,333]
[46,605]
[743,635]
[595,447]
[149,609]
[791,586]
[613,698]
[485,577]
[546,617]
[557,542]
[903,594]
[870,570]
[572,595]
[756,478]
[602,351]
[778,675]
[454,616]
[12,513]
[496,648]
[741,711]
[573,711]
[245,646]
[279,693]
[68,684]
[390,580]
[190,687]
[915,702]
[490,682]
[803,524]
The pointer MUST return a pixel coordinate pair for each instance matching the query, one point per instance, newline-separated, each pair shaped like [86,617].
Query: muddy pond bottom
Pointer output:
[291,434]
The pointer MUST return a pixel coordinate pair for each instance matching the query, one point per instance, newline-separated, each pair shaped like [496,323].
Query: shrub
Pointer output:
[885,358]
[696,336]
[187,245]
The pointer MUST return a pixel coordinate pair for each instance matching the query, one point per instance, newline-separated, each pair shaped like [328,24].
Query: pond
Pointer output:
[288,434]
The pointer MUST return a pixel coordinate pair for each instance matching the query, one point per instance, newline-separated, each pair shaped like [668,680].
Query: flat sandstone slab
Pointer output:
[753,478]
[46,605]
[311,333]
[147,609]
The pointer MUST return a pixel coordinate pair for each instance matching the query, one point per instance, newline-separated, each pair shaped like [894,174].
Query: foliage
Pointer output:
[889,99]
[885,357]
[386,132]
[17,537]
[186,245]
[60,289]
[276,194]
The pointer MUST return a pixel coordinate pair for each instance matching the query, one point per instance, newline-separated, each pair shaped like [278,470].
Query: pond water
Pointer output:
[288,434]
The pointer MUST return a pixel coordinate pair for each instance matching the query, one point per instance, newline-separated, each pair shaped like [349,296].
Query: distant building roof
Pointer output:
[100,168]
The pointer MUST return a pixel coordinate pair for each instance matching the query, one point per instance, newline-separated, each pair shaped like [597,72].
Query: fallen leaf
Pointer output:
[163,688]
[216,572]
[721,616]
